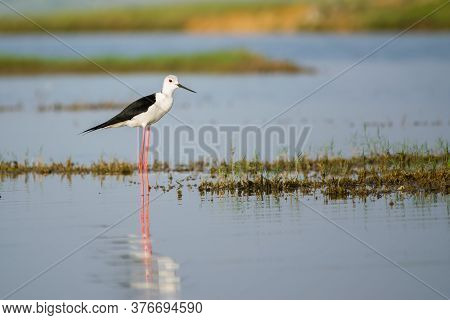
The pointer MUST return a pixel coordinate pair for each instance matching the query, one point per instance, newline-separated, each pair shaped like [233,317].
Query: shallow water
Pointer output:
[401,93]
[216,247]
[224,247]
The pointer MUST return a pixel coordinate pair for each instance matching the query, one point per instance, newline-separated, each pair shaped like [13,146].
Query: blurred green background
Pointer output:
[225,16]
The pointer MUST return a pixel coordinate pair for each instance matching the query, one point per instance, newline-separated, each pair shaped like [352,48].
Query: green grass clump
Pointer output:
[233,61]
[13,169]
[335,177]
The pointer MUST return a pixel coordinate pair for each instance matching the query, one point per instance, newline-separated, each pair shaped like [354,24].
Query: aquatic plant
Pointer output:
[360,176]
[68,167]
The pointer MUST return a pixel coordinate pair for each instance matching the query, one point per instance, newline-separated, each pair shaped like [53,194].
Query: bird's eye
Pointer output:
[170,80]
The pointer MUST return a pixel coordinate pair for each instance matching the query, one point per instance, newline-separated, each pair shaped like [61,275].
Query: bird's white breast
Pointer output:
[162,105]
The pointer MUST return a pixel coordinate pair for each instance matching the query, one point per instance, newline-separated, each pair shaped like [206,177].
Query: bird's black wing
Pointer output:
[135,108]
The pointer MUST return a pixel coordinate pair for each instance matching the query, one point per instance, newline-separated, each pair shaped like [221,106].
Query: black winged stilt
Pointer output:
[143,113]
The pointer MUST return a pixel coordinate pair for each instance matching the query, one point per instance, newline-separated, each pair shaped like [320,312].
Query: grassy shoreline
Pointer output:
[268,16]
[335,178]
[231,61]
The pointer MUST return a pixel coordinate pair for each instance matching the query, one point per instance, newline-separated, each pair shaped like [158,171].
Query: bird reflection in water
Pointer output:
[160,277]
[145,226]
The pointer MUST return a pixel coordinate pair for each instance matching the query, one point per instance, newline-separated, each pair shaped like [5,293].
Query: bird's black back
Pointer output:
[137,107]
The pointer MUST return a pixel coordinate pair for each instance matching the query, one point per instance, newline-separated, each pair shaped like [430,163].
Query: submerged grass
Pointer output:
[334,177]
[255,16]
[231,61]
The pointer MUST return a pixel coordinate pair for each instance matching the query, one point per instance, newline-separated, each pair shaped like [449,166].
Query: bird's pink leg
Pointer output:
[147,146]
[142,154]
[143,150]
[140,149]
[139,152]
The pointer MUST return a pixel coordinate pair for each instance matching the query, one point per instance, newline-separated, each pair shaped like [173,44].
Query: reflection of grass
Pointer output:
[232,61]
[257,16]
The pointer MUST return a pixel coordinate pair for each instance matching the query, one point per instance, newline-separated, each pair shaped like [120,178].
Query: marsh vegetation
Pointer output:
[408,172]
[231,61]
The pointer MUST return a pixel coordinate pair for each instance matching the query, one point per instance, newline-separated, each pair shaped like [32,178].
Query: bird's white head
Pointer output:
[171,83]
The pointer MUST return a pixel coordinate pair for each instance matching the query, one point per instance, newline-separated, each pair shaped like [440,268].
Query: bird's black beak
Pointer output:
[181,86]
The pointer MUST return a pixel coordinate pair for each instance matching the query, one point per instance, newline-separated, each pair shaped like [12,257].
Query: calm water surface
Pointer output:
[213,247]
[402,93]
[224,247]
